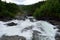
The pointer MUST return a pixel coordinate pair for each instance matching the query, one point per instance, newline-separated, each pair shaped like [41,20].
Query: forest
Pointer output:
[50,10]
[8,10]
[45,10]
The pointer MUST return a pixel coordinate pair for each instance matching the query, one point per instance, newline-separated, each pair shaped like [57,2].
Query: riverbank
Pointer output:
[52,21]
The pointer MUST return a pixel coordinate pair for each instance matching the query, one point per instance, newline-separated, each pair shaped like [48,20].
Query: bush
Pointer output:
[8,10]
[50,9]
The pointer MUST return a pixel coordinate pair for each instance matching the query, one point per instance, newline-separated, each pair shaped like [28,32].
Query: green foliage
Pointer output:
[50,9]
[8,10]
[29,9]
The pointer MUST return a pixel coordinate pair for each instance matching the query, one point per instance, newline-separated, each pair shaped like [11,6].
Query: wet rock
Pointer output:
[6,19]
[16,37]
[58,30]
[55,27]
[32,19]
[27,28]
[34,31]
[58,26]
[12,24]
[36,35]
[57,37]
[21,17]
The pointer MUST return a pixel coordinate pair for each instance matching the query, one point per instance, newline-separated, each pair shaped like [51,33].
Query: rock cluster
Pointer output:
[12,37]
[11,24]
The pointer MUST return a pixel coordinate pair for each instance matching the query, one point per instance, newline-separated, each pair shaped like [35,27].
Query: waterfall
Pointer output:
[37,30]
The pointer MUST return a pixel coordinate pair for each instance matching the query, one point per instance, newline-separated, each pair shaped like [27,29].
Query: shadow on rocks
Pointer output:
[11,24]
[16,37]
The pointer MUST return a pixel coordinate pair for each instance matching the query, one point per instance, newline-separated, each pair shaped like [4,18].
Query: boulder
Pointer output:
[16,37]
[58,26]
[58,30]
[11,24]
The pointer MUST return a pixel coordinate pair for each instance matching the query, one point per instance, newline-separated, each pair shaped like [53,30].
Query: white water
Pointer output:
[47,30]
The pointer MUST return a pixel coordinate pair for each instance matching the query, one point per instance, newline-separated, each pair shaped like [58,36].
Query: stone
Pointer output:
[57,37]
[16,37]
[11,24]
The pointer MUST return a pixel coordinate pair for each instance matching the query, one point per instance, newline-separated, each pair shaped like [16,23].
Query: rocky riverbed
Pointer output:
[57,24]
[28,29]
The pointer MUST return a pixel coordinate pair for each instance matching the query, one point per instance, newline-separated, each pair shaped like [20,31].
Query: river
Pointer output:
[39,30]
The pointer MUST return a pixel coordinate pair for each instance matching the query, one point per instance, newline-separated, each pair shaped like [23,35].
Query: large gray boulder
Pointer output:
[11,24]
[12,38]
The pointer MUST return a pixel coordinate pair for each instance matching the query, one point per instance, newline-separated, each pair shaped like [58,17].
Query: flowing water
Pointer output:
[39,30]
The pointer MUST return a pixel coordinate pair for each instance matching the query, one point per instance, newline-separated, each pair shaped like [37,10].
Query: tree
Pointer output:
[50,9]
[8,10]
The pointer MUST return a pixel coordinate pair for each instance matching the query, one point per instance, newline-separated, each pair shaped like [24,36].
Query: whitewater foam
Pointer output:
[44,27]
